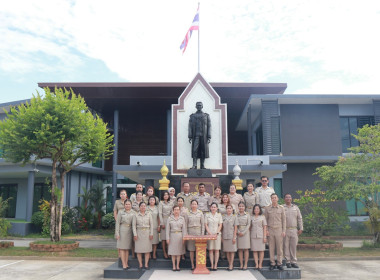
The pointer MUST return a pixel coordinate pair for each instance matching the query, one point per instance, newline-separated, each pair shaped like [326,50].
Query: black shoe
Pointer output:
[271,267]
[295,265]
[280,267]
[288,265]
[147,268]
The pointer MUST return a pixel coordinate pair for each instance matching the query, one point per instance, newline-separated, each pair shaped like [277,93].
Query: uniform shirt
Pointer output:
[164,210]
[214,199]
[136,206]
[251,200]
[202,201]
[187,198]
[213,222]
[257,226]
[195,220]
[244,221]
[223,211]
[293,217]
[144,222]
[146,198]
[124,219]
[275,216]
[119,206]
[229,223]
[133,197]
[264,196]
[174,225]
[235,199]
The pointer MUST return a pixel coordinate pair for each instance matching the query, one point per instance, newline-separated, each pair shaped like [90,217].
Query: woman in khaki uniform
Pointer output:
[143,234]
[136,203]
[153,210]
[217,197]
[183,213]
[123,232]
[250,198]
[222,208]
[173,198]
[195,226]
[258,235]
[213,225]
[164,209]
[175,231]
[149,193]
[243,237]
[230,223]
[119,206]
[235,198]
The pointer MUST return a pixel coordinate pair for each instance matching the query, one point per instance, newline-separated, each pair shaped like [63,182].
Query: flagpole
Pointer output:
[199,68]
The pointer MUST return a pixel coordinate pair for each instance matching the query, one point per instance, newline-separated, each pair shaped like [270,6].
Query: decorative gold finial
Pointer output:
[237,181]
[164,182]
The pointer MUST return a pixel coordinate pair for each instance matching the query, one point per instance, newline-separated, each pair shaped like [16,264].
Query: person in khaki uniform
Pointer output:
[251,198]
[142,226]
[235,198]
[294,227]
[217,197]
[164,209]
[139,188]
[119,206]
[195,226]
[243,237]
[213,225]
[186,195]
[229,233]
[123,232]
[276,220]
[202,198]
[175,231]
[264,192]
[258,235]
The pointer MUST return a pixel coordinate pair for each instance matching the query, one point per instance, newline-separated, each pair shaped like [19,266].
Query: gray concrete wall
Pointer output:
[310,130]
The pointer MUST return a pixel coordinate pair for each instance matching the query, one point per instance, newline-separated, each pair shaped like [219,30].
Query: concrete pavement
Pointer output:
[56,270]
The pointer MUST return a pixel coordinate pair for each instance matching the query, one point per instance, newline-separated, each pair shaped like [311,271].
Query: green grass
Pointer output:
[77,253]
[370,245]
[20,221]
[344,252]
[91,234]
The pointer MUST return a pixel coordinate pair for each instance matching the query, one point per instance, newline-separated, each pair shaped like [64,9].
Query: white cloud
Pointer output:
[327,44]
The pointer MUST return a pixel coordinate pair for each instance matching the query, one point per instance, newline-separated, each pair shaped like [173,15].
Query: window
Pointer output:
[41,191]
[349,126]
[9,191]
[259,141]
[355,208]
[277,186]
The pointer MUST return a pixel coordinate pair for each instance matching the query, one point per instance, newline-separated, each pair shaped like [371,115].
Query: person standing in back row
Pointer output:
[294,227]
[264,192]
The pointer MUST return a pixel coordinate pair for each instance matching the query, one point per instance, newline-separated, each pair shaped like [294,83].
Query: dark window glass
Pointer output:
[349,126]
[9,191]
[277,187]
[41,191]
[259,141]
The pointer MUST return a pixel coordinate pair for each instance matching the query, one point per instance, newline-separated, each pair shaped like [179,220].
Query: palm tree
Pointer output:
[98,201]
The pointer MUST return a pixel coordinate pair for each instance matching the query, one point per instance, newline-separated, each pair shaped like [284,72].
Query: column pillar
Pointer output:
[115,153]
[249,130]
[29,197]
[169,132]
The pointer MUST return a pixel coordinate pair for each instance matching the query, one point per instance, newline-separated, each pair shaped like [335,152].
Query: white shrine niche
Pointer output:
[199,90]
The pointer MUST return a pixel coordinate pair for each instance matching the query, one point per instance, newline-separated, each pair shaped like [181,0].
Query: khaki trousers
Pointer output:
[290,245]
[275,243]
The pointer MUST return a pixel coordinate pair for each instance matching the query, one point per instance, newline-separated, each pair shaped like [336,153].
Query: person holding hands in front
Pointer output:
[258,235]
[213,225]
[229,235]
[243,237]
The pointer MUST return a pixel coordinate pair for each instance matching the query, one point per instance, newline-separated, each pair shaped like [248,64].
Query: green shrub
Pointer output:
[69,220]
[38,219]
[319,218]
[108,221]
[4,223]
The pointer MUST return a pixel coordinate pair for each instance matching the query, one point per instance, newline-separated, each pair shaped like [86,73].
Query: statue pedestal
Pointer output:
[200,252]
[199,173]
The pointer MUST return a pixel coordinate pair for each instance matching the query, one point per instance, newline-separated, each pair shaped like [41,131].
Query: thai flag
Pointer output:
[194,26]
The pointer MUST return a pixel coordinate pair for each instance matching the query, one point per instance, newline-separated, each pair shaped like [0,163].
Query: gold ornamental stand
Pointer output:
[200,251]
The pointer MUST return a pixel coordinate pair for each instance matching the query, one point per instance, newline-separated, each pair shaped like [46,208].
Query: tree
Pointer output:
[58,126]
[357,176]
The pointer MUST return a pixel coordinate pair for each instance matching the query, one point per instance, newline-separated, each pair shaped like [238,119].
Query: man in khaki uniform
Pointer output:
[264,192]
[294,227]
[202,198]
[276,221]
[186,195]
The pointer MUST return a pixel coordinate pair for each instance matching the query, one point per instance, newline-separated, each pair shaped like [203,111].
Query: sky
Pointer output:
[315,46]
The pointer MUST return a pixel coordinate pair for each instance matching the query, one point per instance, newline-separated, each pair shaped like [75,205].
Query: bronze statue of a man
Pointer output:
[199,135]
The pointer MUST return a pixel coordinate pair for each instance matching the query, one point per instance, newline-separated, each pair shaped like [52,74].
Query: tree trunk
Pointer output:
[53,203]
[376,238]
[60,208]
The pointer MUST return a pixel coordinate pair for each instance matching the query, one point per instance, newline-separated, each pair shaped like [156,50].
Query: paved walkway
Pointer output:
[111,243]
[55,270]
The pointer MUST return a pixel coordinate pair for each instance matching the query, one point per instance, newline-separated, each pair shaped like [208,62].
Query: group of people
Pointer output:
[241,223]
